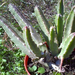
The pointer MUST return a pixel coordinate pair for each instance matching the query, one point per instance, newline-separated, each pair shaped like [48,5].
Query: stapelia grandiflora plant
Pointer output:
[59,38]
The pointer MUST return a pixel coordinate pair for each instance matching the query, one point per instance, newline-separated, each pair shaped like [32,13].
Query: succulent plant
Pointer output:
[60,38]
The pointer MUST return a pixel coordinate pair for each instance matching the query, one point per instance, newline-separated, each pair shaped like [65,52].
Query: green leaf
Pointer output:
[56,73]
[2,73]
[32,69]
[3,60]
[36,74]
[41,70]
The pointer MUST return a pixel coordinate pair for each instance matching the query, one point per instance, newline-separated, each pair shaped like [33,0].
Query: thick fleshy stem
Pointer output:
[25,63]
[61,63]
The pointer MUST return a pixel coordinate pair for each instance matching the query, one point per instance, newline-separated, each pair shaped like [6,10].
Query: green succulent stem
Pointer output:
[69,25]
[59,21]
[68,46]
[43,23]
[30,43]
[60,8]
[22,21]
[53,41]
[15,36]
[59,28]
[57,37]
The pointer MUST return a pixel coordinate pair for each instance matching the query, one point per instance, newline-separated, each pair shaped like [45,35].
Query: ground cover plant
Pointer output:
[11,61]
[57,17]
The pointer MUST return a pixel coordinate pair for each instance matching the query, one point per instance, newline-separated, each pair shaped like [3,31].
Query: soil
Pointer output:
[68,64]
